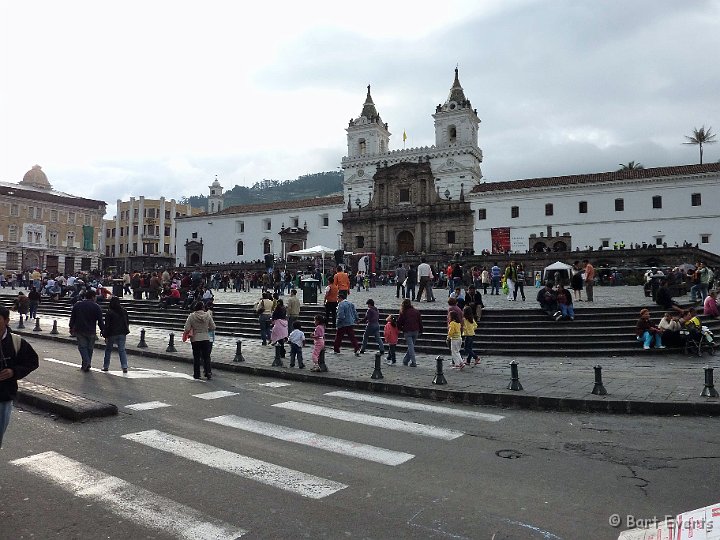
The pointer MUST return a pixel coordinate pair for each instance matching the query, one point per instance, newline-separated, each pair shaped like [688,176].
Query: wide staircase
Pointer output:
[594,332]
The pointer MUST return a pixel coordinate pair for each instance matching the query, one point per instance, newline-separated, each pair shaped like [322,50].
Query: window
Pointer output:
[482,213]
[240,248]
[71,218]
[71,239]
[657,201]
[295,222]
[514,211]
[14,210]
[549,209]
[135,229]
[12,260]
[107,233]
[167,214]
[12,234]
[134,248]
[52,238]
[452,134]
[605,242]
[267,224]
[267,247]
[362,147]
[167,249]
[450,237]
[325,220]
[87,218]
[166,231]
[704,238]
[359,241]
[29,237]
[194,235]
[404,194]
[135,213]
[619,205]
[239,227]
[53,216]
[696,199]
[658,240]
[582,207]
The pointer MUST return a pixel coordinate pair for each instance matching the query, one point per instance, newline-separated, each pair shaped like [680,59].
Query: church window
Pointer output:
[482,213]
[450,237]
[383,148]
[619,205]
[359,241]
[704,238]
[605,242]
[267,247]
[239,227]
[295,221]
[166,231]
[212,207]
[14,210]
[452,134]
[657,201]
[240,248]
[325,220]
[404,194]
[194,235]
[267,225]
[362,147]
[514,211]
[549,209]
[696,199]
[582,207]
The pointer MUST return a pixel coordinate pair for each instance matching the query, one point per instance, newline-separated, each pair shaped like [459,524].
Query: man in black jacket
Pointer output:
[17,359]
[83,318]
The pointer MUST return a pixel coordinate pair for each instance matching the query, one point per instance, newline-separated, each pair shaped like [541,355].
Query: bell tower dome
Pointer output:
[367,134]
[215,200]
[456,122]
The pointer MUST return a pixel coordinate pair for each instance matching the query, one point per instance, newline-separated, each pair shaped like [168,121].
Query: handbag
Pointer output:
[188,334]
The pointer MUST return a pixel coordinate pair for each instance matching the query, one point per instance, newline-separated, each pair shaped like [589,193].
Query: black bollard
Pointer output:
[142,344]
[20,324]
[321,361]
[277,362]
[171,344]
[54,330]
[439,377]
[599,388]
[238,352]
[709,390]
[377,374]
[37,325]
[514,377]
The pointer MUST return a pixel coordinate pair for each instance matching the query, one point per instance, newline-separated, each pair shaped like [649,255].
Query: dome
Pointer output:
[35,177]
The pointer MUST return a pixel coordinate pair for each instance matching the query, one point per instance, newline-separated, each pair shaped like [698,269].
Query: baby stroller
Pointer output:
[699,340]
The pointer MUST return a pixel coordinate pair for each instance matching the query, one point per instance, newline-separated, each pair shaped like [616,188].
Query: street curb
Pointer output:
[62,403]
[497,399]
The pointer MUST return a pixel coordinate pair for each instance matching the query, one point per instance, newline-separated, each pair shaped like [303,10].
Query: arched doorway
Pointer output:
[194,259]
[32,261]
[539,247]
[560,246]
[405,242]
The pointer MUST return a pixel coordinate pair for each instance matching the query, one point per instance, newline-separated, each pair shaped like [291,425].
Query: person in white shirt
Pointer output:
[297,340]
[425,276]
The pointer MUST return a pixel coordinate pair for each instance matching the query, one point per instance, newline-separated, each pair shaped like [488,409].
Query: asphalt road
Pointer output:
[302,461]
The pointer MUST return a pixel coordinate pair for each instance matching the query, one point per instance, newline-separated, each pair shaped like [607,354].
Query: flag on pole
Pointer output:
[404,136]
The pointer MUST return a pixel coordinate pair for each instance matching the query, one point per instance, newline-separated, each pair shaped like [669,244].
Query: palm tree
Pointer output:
[631,166]
[701,136]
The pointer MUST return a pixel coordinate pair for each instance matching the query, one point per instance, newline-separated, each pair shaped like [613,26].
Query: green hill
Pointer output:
[304,187]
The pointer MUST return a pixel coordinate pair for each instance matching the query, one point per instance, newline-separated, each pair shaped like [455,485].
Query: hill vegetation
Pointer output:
[304,187]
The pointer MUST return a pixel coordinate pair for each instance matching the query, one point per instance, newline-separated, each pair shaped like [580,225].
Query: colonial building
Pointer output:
[48,229]
[249,232]
[663,206]
[142,235]
[411,200]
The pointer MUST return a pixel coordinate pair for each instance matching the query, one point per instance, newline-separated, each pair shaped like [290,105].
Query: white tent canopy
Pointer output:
[566,271]
[316,251]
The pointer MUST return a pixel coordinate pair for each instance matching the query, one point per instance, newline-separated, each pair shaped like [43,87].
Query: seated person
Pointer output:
[564,300]
[663,297]
[646,331]
[670,327]
[690,320]
[170,297]
[710,306]
[547,299]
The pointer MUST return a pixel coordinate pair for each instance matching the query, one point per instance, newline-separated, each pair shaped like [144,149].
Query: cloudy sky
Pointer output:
[115,99]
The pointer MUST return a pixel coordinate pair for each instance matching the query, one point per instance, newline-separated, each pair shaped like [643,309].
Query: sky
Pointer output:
[120,99]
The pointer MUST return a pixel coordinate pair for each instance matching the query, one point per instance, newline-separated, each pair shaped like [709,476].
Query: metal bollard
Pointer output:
[709,390]
[238,352]
[20,324]
[599,388]
[514,377]
[37,325]
[142,344]
[277,362]
[54,330]
[439,377]
[171,344]
[377,374]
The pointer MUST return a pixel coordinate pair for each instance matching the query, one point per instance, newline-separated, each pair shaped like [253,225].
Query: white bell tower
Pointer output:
[456,122]
[215,200]
[367,134]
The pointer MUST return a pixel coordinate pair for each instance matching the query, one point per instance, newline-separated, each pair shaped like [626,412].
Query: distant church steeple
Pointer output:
[215,200]
[456,122]
[367,134]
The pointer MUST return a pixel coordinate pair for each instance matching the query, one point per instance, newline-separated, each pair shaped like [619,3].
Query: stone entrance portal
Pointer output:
[405,242]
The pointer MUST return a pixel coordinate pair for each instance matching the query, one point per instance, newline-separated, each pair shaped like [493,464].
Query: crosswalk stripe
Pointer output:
[307,438]
[133,503]
[306,485]
[137,373]
[416,406]
[275,384]
[215,395]
[375,421]
[147,405]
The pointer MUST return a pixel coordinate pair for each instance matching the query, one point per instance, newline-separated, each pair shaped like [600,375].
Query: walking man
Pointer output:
[347,317]
[84,317]
[425,275]
[400,277]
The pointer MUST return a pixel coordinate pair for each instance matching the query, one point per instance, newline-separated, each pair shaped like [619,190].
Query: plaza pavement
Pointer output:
[652,384]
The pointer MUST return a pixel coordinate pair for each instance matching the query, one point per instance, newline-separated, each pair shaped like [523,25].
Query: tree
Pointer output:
[631,166]
[699,137]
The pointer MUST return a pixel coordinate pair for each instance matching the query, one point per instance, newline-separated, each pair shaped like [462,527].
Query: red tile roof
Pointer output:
[594,178]
[280,205]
